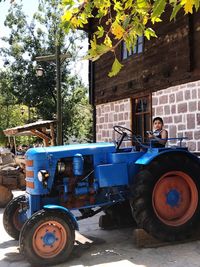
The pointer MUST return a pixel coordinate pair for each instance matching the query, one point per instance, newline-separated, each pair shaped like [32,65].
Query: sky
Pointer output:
[29,7]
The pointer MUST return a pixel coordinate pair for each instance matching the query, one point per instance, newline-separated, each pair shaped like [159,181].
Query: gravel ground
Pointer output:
[96,247]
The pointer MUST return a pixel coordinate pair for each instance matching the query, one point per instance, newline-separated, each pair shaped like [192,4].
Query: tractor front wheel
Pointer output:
[14,217]
[166,197]
[47,237]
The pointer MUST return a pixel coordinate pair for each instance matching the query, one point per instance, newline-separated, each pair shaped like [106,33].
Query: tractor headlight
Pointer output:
[43,175]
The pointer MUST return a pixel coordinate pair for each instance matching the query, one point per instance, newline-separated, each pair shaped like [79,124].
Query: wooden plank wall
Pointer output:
[172,58]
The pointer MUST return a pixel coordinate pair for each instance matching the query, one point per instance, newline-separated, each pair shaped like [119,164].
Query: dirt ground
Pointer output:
[96,247]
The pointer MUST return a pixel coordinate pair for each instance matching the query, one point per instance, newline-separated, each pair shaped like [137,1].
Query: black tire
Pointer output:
[35,230]
[105,222]
[118,215]
[173,215]
[11,222]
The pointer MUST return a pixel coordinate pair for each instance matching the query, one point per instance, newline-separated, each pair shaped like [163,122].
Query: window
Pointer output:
[141,115]
[136,50]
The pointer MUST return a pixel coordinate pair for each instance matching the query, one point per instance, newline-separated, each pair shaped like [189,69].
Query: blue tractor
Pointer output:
[157,189]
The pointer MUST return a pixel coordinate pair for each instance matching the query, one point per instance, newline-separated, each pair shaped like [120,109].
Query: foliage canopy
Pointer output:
[38,37]
[119,20]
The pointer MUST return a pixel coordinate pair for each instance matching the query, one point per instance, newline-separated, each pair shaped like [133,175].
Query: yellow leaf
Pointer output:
[74,22]
[145,20]
[117,30]
[93,44]
[67,16]
[188,6]
[107,41]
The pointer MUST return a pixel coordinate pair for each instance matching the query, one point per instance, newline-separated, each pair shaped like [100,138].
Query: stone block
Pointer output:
[181,127]
[182,108]
[101,120]
[191,146]
[192,106]
[194,94]
[111,117]
[173,109]
[121,116]
[191,85]
[116,108]
[172,131]
[154,100]
[163,99]
[197,135]
[159,111]
[115,117]
[126,117]
[190,121]
[127,106]
[171,98]
[168,119]
[179,96]
[106,118]
[122,107]
[167,110]
[198,118]
[189,135]
[187,95]
[107,108]
[177,118]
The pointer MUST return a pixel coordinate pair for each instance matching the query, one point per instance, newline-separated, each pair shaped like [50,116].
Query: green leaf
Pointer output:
[175,11]
[126,22]
[196,4]
[128,4]
[116,67]
[158,8]
[102,49]
[149,33]
[100,32]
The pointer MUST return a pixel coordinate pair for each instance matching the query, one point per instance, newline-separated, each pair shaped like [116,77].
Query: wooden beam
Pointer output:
[42,135]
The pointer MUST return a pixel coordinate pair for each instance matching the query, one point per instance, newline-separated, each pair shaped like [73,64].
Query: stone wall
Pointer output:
[179,106]
[110,114]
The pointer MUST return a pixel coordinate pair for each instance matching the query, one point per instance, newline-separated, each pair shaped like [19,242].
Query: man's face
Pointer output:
[157,125]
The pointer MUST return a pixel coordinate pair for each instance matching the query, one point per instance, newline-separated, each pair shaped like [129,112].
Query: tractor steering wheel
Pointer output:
[124,132]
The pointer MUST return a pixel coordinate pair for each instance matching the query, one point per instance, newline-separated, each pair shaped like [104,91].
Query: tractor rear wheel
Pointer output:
[166,197]
[47,238]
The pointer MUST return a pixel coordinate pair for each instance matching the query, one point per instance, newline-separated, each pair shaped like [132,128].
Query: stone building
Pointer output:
[160,77]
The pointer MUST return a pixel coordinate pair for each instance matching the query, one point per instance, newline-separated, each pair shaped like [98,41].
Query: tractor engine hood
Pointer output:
[70,150]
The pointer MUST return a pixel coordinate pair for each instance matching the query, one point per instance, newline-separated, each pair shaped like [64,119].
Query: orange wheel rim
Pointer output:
[175,198]
[49,239]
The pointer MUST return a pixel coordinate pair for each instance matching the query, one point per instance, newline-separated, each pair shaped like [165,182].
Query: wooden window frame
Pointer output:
[134,113]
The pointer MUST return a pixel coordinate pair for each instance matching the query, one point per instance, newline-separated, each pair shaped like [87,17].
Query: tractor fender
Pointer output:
[150,155]
[69,214]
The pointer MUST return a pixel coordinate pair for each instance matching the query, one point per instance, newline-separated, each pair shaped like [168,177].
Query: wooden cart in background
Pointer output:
[12,166]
